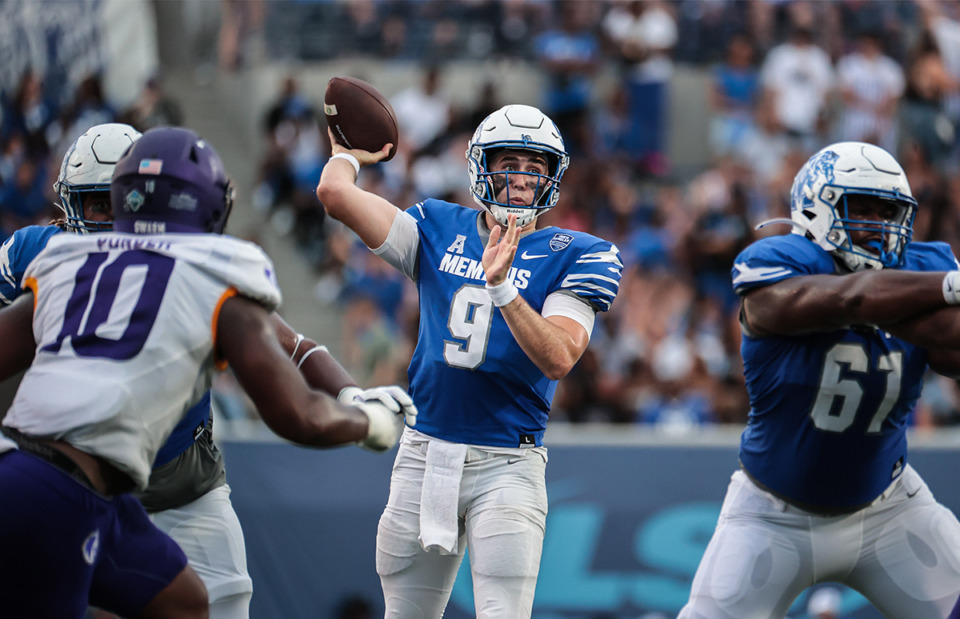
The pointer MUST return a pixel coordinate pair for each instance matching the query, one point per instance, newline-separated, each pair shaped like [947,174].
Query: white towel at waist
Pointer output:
[440,495]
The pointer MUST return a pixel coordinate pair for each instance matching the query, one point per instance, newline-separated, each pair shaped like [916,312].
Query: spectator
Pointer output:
[569,55]
[871,85]
[797,78]
[238,20]
[735,87]
[24,201]
[88,108]
[423,112]
[154,108]
[644,34]
[925,121]
[29,114]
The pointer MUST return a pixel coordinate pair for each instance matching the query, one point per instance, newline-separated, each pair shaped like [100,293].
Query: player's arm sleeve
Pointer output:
[9,277]
[772,260]
[570,306]
[400,248]
[595,277]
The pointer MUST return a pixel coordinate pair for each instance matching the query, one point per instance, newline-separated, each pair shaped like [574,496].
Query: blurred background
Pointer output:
[686,122]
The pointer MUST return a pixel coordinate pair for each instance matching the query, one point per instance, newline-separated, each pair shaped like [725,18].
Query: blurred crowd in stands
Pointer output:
[37,125]
[786,78]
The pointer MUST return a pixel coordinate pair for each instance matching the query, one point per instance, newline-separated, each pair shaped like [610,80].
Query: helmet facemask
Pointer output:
[71,203]
[894,230]
[854,173]
[528,131]
[497,190]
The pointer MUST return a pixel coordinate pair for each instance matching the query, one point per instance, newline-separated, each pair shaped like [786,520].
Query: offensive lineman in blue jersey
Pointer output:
[833,318]
[188,496]
[506,310]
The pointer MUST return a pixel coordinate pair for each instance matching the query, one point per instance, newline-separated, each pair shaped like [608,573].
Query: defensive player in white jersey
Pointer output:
[506,310]
[188,496]
[836,336]
[125,332]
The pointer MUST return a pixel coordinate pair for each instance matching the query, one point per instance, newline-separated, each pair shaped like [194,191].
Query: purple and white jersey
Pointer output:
[125,328]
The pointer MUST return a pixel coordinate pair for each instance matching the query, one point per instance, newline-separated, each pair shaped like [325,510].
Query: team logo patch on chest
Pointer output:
[90,547]
[560,241]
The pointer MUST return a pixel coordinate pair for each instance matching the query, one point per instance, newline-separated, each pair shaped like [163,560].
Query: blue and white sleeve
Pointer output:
[595,276]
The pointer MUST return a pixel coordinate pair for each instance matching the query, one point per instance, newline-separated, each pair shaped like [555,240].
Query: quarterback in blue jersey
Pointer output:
[506,310]
[187,496]
[836,322]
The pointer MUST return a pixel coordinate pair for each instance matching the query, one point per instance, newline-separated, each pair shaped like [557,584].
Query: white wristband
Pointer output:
[951,288]
[348,157]
[503,293]
[297,346]
[310,352]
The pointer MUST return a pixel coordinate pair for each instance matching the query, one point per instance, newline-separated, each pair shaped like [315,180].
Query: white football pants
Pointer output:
[209,533]
[501,515]
[902,553]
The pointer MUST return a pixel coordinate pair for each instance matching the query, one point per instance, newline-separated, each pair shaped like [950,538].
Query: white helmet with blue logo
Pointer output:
[818,203]
[516,127]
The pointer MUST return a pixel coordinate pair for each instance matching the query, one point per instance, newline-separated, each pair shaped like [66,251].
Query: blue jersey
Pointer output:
[469,377]
[16,253]
[827,425]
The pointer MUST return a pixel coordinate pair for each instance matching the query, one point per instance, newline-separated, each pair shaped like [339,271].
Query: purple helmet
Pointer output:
[170,180]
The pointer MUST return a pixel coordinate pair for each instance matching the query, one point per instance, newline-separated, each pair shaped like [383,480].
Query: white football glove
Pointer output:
[392,396]
[385,426]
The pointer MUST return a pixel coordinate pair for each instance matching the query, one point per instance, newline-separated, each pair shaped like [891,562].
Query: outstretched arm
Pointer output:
[554,344]
[322,371]
[817,303]
[247,340]
[367,214]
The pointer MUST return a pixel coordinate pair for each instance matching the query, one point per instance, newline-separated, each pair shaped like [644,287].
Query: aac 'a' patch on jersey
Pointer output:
[471,380]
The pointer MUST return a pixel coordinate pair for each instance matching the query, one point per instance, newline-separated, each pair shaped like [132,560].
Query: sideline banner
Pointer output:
[626,528]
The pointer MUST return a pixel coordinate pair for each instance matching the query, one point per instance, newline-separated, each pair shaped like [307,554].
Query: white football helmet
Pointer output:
[818,203]
[88,167]
[516,127]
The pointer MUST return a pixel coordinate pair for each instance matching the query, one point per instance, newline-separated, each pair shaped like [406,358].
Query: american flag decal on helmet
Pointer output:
[151,166]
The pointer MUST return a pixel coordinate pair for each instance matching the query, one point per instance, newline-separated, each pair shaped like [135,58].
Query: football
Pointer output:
[359,116]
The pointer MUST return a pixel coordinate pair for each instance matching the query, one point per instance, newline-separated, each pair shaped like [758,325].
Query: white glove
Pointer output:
[385,426]
[393,397]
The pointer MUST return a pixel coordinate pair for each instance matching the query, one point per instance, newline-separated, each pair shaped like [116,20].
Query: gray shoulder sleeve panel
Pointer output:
[400,248]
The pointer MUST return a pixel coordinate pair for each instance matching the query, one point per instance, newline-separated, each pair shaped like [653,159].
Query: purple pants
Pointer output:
[64,547]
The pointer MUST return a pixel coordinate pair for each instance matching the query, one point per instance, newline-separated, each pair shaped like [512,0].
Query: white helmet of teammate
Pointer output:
[517,127]
[88,167]
[818,203]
